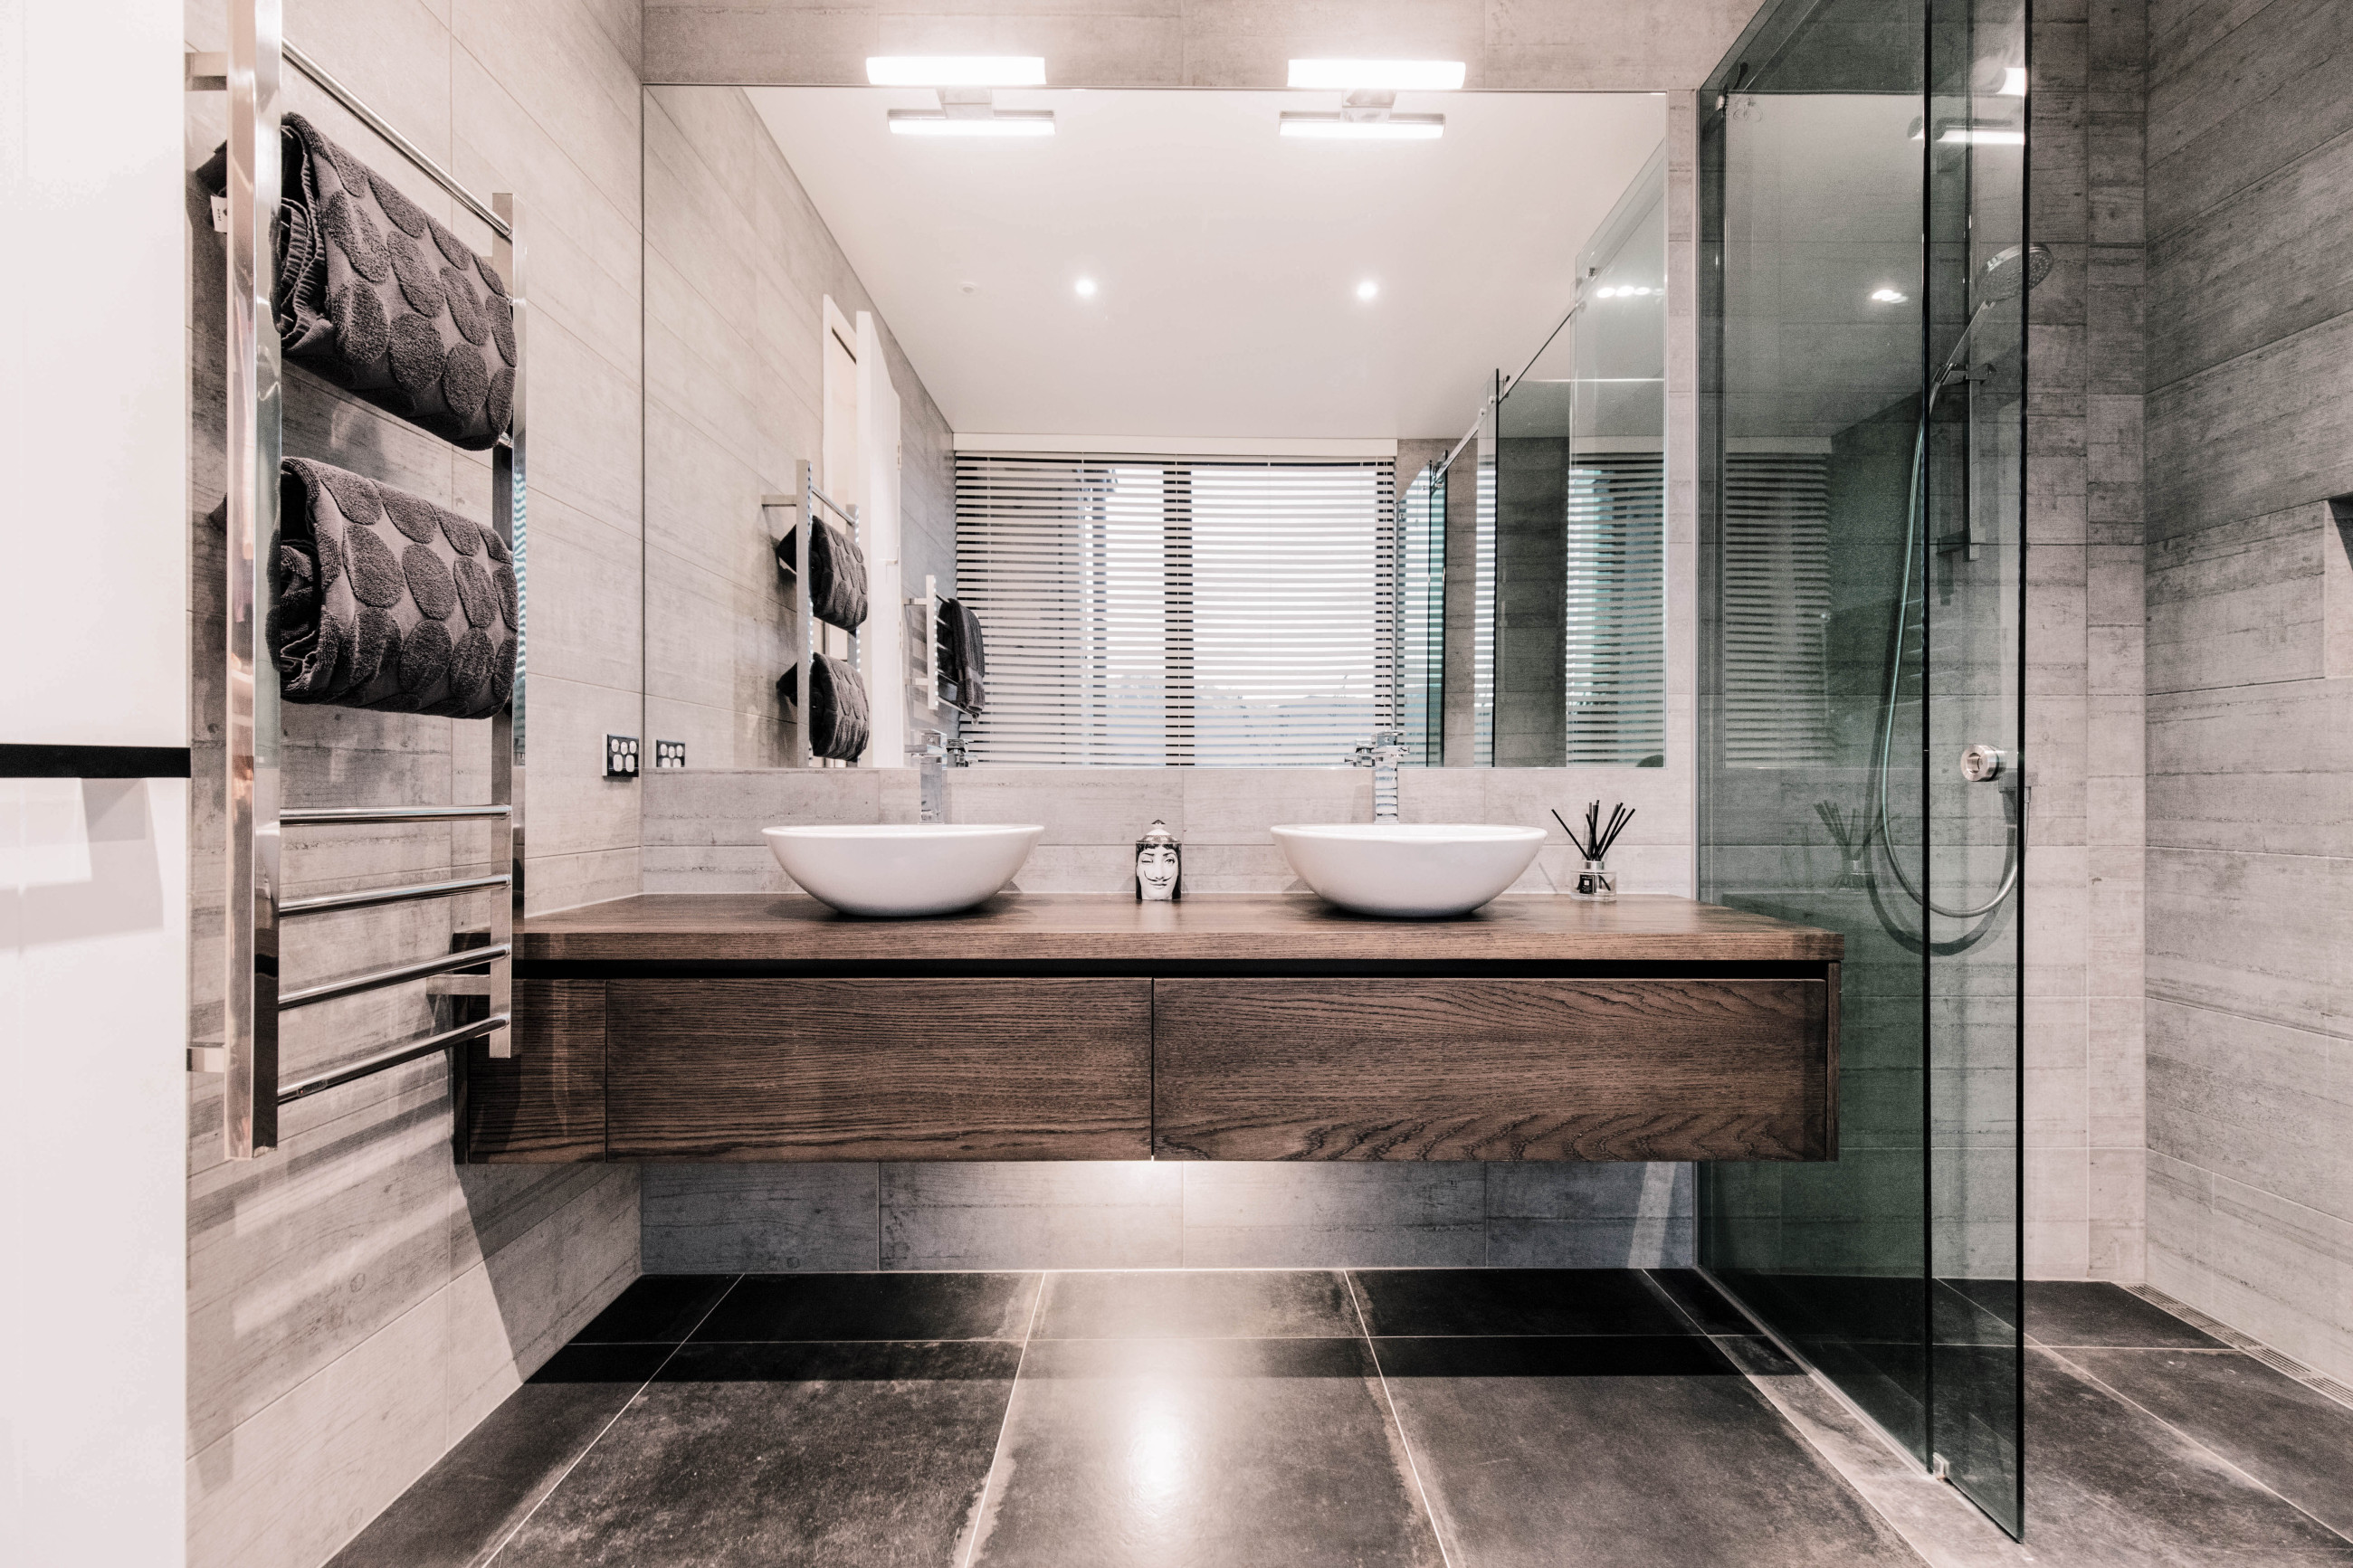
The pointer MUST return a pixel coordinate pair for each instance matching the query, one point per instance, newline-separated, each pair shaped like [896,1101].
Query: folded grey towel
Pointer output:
[386,601]
[961,659]
[838,726]
[837,573]
[377,296]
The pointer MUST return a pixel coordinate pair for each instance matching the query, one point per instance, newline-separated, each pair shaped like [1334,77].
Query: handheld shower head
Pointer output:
[2013,272]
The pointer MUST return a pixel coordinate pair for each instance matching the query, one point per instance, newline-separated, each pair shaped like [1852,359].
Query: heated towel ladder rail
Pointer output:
[811,630]
[247,1054]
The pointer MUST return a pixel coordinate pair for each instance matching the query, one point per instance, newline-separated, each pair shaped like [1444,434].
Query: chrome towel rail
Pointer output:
[252,73]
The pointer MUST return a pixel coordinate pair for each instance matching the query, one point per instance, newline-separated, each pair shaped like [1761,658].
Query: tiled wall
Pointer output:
[2250,332]
[717,1219]
[739,265]
[356,1302]
[2083,1052]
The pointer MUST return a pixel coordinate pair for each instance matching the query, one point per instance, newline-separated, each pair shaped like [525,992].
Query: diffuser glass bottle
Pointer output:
[1596,882]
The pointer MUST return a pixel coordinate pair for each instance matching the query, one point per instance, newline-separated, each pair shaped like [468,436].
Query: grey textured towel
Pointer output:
[386,601]
[838,726]
[961,659]
[377,296]
[837,573]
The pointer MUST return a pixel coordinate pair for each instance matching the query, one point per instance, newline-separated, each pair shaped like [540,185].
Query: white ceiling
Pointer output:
[1227,257]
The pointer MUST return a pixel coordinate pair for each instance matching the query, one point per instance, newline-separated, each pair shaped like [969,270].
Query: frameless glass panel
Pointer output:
[1862,375]
[1421,592]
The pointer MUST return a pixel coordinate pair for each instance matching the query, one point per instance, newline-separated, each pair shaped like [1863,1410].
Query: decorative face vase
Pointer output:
[1157,866]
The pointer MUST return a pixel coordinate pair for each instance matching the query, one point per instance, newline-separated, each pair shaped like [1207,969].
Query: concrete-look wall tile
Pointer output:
[2180,1207]
[1236,806]
[1333,1215]
[1081,1215]
[1589,1216]
[1101,806]
[2255,1102]
[2254,935]
[2058,1214]
[760,1219]
[2239,92]
[2281,1272]
[2260,433]
[2119,1227]
[287,1487]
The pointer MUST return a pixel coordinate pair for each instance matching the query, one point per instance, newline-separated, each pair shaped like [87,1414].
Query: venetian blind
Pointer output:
[1614,631]
[1776,604]
[1147,610]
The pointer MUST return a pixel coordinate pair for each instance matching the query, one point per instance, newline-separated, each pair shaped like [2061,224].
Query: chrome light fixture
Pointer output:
[956,70]
[971,111]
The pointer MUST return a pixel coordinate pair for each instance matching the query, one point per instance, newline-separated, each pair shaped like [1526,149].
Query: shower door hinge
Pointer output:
[1940,1468]
[220,214]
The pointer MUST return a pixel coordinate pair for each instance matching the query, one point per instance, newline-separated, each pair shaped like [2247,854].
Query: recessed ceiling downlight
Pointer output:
[1086,287]
[956,70]
[1368,290]
[1348,76]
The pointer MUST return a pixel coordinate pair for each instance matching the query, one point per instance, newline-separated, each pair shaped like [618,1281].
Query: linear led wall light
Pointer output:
[956,70]
[1420,76]
[1340,128]
[1003,122]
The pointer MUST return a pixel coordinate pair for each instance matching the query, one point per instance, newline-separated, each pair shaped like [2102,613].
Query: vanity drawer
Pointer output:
[1496,1069]
[878,1070]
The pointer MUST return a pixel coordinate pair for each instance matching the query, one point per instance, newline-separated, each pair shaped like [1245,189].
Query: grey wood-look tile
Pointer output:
[1252,1453]
[1069,1215]
[760,1219]
[2247,99]
[1196,1304]
[1312,1216]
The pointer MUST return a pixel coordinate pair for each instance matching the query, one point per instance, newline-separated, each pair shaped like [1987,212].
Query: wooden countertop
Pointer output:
[1095,927]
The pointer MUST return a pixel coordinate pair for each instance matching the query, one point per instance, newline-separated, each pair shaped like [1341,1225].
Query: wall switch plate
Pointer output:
[669,753]
[620,756]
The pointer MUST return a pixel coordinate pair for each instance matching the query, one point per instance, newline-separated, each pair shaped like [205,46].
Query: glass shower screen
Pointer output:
[1865,273]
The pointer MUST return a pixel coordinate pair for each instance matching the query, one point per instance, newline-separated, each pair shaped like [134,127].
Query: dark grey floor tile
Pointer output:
[2086,1312]
[1236,1453]
[457,1511]
[2294,1440]
[1702,1302]
[2110,1486]
[1185,1304]
[1618,1452]
[874,1307]
[1514,1302]
[657,1309]
[750,1455]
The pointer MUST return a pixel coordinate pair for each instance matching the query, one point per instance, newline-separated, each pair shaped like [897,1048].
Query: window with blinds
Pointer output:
[1149,610]
[1775,609]
[1615,626]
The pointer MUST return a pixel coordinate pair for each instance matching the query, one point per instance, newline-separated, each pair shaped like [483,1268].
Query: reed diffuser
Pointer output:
[1597,881]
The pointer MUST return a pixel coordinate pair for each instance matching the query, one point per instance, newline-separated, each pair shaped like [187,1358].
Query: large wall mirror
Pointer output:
[1242,427]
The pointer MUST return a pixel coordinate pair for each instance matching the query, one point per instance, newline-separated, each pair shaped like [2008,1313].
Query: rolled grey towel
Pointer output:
[838,722]
[962,658]
[837,573]
[377,296]
[386,601]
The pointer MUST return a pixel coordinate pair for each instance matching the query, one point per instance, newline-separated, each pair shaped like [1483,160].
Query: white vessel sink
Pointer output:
[903,869]
[1412,870]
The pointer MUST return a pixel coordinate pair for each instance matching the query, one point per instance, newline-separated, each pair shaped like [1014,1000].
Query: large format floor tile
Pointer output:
[1617,1451]
[774,1307]
[1239,1453]
[657,1309]
[2086,1312]
[456,1515]
[1437,1302]
[2290,1438]
[1167,1304]
[749,1456]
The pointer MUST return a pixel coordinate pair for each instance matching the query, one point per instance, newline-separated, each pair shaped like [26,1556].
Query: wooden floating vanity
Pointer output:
[753,1026]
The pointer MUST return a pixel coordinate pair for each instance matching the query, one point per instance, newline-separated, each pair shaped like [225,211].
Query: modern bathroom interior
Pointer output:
[1463,786]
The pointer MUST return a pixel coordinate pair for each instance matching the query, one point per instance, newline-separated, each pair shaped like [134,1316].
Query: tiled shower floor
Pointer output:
[1447,1418]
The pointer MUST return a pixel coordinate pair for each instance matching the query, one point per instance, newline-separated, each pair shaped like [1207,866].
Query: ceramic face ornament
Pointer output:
[1158,866]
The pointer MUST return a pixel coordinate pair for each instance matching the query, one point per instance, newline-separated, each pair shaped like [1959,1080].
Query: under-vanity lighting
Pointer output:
[1368,290]
[1888,297]
[1982,136]
[956,70]
[2013,82]
[1003,122]
[1339,127]
[1416,76]
[1086,287]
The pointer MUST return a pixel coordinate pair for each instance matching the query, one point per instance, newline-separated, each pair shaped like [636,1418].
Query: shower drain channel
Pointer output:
[2319,1383]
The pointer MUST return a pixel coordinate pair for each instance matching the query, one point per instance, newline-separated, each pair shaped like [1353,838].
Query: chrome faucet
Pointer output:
[1382,753]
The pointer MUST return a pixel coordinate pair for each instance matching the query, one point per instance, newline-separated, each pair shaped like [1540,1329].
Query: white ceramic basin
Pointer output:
[1412,870]
[903,869]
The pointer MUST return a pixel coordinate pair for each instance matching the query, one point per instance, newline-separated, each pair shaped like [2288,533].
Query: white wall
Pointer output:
[94,895]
